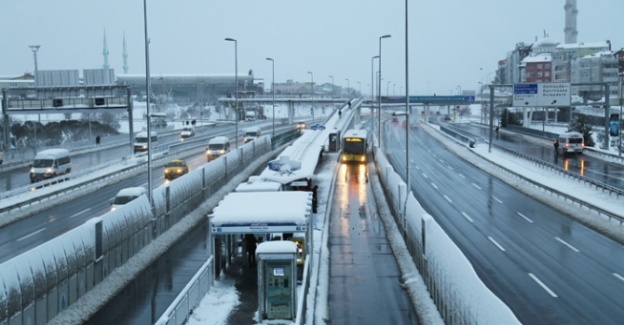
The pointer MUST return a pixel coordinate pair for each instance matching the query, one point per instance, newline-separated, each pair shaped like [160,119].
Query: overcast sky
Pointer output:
[451,43]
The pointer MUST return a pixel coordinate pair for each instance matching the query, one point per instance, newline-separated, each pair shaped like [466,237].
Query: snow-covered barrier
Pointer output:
[39,284]
[456,289]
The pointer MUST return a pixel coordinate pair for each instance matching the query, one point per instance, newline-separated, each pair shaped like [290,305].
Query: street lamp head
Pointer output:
[230,39]
[386,36]
[35,48]
[270,59]
[375,57]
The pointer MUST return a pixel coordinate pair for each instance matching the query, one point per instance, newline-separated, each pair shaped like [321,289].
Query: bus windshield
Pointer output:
[354,145]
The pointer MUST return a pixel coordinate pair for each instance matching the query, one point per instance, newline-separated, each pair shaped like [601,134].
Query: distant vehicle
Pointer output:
[175,169]
[571,142]
[250,115]
[251,134]
[126,195]
[354,146]
[317,126]
[158,120]
[217,147]
[301,125]
[140,141]
[50,163]
[187,132]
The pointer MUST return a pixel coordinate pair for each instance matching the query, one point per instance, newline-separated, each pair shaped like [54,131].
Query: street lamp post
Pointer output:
[148,87]
[34,49]
[348,86]
[235,87]
[359,88]
[312,92]
[388,87]
[379,92]
[373,92]
[332,90]
[393,87]
[273,92]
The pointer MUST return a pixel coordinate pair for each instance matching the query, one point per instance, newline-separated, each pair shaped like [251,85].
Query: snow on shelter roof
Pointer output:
[305,150]
[262,212]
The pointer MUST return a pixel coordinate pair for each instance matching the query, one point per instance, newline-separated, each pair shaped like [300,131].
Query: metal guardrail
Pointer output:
[588,181]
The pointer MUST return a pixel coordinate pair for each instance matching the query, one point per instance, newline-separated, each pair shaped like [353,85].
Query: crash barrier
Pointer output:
[41,283]
[463,137]
[450,278]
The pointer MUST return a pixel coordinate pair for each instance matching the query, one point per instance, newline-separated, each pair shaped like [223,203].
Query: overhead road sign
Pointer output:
[430,99]
[551,94]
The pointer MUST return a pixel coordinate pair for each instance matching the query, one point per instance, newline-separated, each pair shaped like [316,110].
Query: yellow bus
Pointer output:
[354,146]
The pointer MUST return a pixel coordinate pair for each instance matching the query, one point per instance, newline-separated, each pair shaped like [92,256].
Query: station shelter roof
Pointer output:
[262,212]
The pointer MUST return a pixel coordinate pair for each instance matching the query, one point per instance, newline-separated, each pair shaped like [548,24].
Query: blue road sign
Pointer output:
[430,99]
[525,89]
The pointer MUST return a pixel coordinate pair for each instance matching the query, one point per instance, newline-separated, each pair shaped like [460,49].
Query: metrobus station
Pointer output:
[282,221]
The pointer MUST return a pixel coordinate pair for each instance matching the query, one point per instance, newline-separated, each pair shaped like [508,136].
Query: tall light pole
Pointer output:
[459,90]
[312,92]
[481,99]
[393,87]
[373,79]
[34,49]
[148,88]
[407,116]
[373,92]
[273,92]
[235,86]
[379,92]
[348,86]
[359,88]
[332,92]
[388,87]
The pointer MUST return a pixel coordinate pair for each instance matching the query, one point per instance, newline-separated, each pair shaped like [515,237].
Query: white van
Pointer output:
[217,147]
[140,141]
[571,142]
[50,163]
[187,132]
[251,134]
[126,195]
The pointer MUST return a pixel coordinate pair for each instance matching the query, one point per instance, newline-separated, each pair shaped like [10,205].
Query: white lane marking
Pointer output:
[425,175]
[450,167]
[543,285]
[434,186]
[467,217]
[497,200]
[618,276]
[495,243]
[31,234]
[570,246]
[462,176]
[475,185]
[448,198]
[525,218]
[79,213]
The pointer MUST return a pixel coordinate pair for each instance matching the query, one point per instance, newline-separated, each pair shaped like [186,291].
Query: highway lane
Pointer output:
[364,284]
[30,232]
[585,165]
[544,265]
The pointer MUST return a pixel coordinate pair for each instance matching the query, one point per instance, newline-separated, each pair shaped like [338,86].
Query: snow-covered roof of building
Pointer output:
[582,45]
[257,184]
[262,212]
[542,57]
